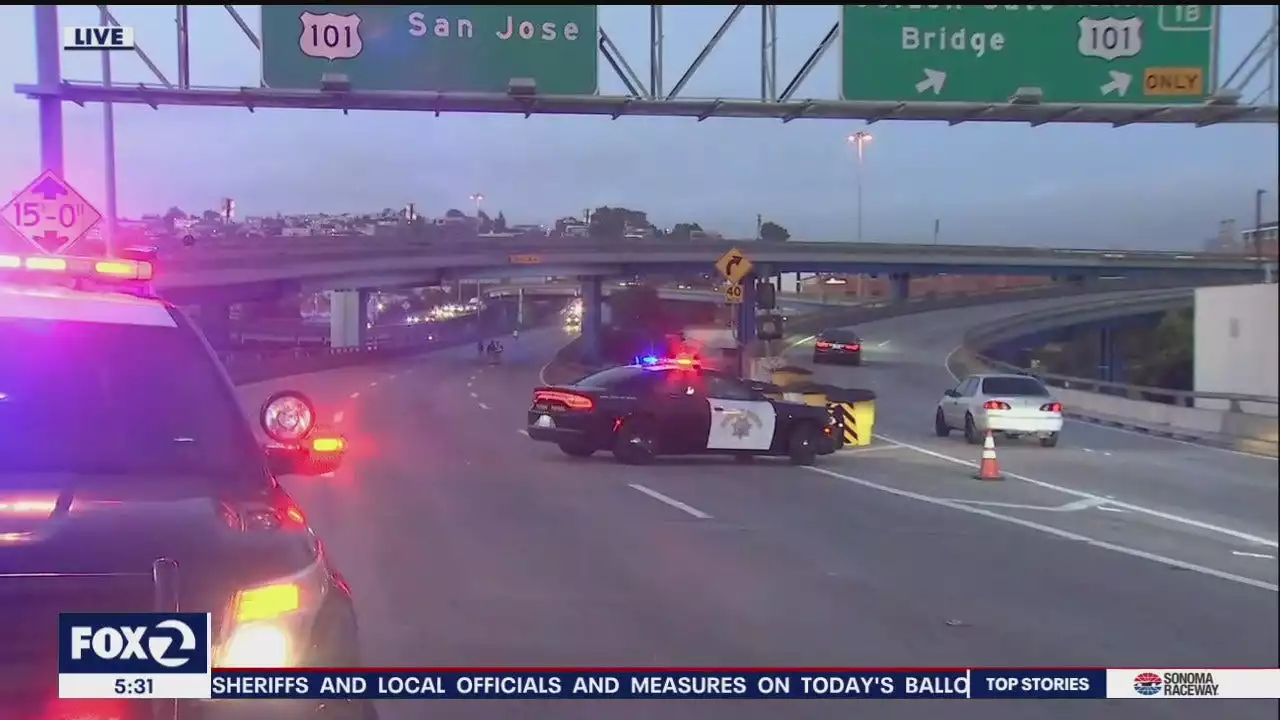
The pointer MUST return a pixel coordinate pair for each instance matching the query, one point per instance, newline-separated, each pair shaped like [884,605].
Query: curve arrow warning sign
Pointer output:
[50,214]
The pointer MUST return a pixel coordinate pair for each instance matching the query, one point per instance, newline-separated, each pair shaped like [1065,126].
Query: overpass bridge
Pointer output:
[350,268]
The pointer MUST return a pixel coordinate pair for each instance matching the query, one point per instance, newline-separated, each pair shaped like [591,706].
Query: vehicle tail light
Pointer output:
[855,346]
[1052,407]
[995,405]
[824,344]
[573,401]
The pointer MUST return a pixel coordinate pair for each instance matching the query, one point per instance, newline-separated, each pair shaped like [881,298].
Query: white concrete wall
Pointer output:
[1237,338]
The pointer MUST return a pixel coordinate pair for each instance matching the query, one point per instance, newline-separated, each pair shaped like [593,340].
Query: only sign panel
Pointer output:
[734,266]
[733,294]
[50,214]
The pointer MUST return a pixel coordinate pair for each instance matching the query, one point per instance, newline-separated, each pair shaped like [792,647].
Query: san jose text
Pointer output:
[511,27]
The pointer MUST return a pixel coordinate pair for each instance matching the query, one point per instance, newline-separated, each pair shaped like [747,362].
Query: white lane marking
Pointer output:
[470,383]
[1111,509]
[523,432]
[671,501]
[946,364]
[474,395]
[1253,555]
[883,343]
[373,384]
[337,417]
[483,406]
[355,395]
[1075,506]
[1256,539]
[1049,530]
[392,376]
[329,475]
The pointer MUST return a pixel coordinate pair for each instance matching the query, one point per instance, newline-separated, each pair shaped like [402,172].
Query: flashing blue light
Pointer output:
[649,360]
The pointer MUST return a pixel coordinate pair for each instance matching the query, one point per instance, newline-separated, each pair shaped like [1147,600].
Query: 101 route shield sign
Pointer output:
[50,214]
[1156,54]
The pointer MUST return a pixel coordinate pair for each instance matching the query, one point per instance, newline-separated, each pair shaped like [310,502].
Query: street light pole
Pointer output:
[477,198]
[859,141]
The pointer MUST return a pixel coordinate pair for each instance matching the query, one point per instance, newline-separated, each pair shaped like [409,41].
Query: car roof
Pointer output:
[838,332]
[60,304]
[984,376]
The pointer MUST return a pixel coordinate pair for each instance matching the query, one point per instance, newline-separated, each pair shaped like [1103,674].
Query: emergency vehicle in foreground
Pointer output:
[130,481]
[675,406]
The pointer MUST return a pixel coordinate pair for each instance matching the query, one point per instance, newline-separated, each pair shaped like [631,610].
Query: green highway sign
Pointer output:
[438,48]
[1161,54]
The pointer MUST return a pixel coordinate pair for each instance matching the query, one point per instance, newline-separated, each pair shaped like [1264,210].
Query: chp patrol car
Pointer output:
[674,406]
[130,481]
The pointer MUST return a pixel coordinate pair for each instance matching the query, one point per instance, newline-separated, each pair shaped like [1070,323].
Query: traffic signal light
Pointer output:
[766,295]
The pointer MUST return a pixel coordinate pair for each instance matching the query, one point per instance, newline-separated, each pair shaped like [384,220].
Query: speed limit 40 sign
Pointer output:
[733,294]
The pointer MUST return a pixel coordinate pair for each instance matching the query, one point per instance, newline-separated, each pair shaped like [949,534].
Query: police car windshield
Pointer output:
[103,398]
[1014,386]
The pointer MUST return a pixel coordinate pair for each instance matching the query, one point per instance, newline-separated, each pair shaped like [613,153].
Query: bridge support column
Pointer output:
[592,317]
[215,323]
[348,317]
[899,287]
[520,307]
[1107,353]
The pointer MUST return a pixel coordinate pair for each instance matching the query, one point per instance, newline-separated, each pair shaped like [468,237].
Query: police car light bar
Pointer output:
[79,267]
[681,361]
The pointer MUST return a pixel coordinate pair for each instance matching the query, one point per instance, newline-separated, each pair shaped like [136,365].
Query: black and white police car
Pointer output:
[674,406]
[130,481]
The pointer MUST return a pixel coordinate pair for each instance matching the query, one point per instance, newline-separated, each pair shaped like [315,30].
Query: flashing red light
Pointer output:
[573,401]
[996,405]
[1052,407]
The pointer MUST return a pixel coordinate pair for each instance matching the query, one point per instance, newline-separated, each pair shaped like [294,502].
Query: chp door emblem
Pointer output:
[332,36]
[741,423]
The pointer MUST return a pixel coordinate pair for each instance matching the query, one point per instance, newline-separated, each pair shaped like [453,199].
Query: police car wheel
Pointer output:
[635,444]
[802,447]
[1049,441]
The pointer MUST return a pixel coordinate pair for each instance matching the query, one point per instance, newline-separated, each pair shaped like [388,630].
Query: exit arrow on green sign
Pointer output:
[1158,54]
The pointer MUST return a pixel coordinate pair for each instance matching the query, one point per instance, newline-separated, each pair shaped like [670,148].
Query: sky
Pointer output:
[1142,186]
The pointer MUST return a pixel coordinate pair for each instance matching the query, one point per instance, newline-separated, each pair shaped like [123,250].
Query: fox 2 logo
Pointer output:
[133,643]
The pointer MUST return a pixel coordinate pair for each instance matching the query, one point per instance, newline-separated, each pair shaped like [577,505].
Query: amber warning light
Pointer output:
[97,37]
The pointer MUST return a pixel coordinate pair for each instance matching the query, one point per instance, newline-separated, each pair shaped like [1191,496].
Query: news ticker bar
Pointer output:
[687,684]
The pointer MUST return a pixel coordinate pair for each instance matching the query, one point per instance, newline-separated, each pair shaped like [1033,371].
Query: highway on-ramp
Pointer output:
[466,544]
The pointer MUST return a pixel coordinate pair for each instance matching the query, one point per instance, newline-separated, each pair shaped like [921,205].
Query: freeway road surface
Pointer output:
[467,544]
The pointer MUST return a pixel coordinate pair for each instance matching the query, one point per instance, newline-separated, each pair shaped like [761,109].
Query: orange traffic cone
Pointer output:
[989,467]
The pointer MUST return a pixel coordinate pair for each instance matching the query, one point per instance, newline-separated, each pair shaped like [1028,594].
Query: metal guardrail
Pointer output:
[977,339]
[402,244]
